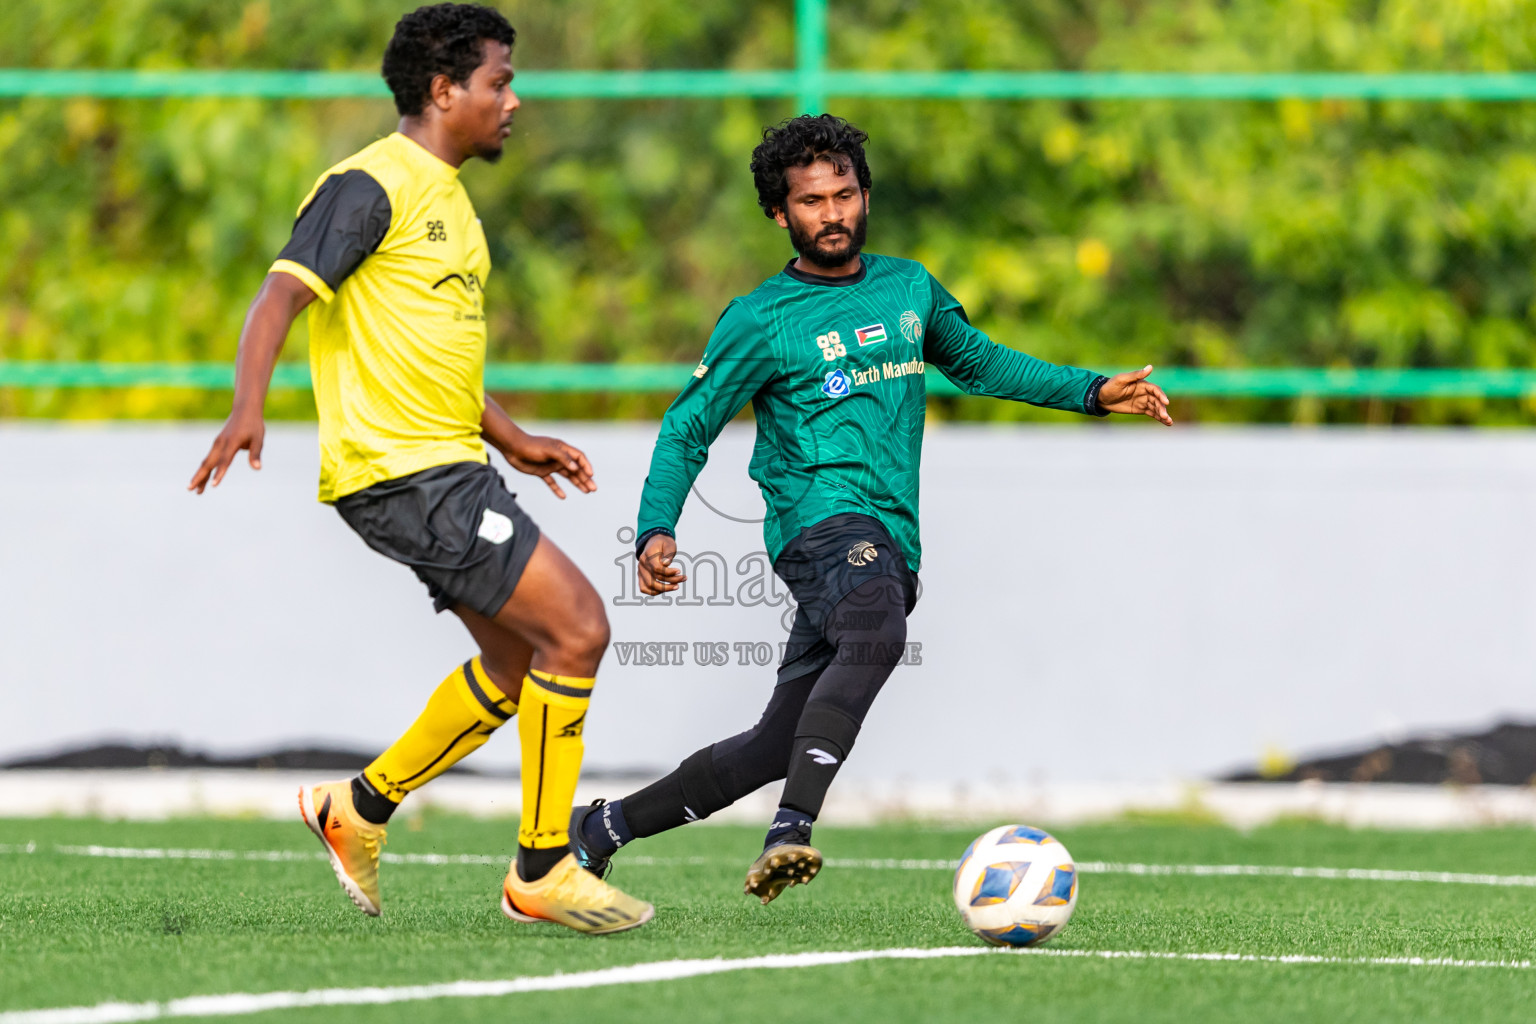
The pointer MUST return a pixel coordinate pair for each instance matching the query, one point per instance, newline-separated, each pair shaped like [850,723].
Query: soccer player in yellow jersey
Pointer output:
[389,245]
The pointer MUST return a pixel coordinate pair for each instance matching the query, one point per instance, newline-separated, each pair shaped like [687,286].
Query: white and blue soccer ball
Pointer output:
[1016,886]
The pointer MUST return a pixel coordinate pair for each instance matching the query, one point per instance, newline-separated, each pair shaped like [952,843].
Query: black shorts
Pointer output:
[457,526]
[823,564]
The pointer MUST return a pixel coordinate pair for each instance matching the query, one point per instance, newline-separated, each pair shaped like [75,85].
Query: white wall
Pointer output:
[1099,604]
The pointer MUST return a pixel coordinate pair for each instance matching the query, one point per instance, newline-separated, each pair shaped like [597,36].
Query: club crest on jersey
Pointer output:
[835,384]
[874,334]
[911,326]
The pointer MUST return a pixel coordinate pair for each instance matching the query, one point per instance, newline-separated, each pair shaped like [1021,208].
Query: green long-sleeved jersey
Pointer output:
[833,367]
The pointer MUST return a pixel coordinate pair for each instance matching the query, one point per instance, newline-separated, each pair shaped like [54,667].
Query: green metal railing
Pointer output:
[642,378]
[810,83]
[811,89]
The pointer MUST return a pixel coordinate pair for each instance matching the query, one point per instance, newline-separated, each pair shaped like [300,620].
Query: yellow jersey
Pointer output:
[389,242]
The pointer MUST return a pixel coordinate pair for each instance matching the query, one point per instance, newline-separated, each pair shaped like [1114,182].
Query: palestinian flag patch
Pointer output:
[871,335]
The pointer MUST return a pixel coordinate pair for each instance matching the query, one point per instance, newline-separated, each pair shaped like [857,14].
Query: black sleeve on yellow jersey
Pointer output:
[343,223]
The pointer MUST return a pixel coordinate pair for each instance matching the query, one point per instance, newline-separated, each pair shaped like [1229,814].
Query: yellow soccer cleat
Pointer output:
[352,843]
[780,867]
[572,896]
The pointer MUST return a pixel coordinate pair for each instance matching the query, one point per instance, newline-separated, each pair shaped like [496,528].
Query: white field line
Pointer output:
[243,1003]
[1273,871]
[892,864]
[1099,867]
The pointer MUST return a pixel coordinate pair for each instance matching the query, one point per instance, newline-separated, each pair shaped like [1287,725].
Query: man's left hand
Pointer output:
[1133,395]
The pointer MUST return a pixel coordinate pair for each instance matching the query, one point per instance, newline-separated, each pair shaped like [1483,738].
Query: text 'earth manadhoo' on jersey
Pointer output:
[833,367]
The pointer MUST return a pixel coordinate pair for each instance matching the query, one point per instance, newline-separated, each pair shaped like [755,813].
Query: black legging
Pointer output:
[807,729]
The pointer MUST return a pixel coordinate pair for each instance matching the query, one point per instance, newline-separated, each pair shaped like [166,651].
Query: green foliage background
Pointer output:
[1106,234]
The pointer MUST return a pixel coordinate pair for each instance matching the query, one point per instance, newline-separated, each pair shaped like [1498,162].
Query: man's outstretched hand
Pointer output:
[242,432]
[1131,394]
[547,457]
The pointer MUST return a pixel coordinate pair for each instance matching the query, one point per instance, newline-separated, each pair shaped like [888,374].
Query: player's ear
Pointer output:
[441,92]
[866,200]
[778,215]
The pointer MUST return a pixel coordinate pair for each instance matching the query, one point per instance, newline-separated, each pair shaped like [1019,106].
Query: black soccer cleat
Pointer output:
[790,861]
[591,861]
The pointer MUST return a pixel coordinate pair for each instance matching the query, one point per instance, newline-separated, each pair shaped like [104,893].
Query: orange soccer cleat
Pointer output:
[574,897]
[352,843]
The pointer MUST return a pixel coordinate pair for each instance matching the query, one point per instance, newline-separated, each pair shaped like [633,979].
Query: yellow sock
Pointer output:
[554,711]
[459,717]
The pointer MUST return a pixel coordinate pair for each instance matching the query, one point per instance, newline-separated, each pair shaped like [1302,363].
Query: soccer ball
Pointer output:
[1016,886]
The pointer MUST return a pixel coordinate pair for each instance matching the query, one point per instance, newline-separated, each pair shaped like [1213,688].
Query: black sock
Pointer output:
[822,741]
[533,865]
[656,808]
[789,825]
[605,829]
[691,793]
[372,806]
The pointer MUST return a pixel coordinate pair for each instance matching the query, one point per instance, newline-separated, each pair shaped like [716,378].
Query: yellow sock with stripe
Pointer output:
[459,717]
[554,712]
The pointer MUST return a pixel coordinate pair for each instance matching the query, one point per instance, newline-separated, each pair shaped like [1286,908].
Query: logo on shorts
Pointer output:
[862,553]
[836,384]
[495,527]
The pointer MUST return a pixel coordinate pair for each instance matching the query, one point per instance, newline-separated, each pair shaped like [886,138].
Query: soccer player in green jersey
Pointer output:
[830,352]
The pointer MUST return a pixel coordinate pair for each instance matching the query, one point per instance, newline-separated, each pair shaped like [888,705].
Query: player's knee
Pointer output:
[597,634]
[751,760]
[768,750]
[754,766]
[770,758]
[584,638]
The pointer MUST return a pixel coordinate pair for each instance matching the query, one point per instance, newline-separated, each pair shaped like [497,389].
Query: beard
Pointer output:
[832,247]
[490,149]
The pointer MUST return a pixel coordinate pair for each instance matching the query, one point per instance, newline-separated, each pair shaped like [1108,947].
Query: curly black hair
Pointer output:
[800,142]
[441,39]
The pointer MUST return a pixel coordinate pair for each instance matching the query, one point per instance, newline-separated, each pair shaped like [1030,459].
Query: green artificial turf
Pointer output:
[78,930]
